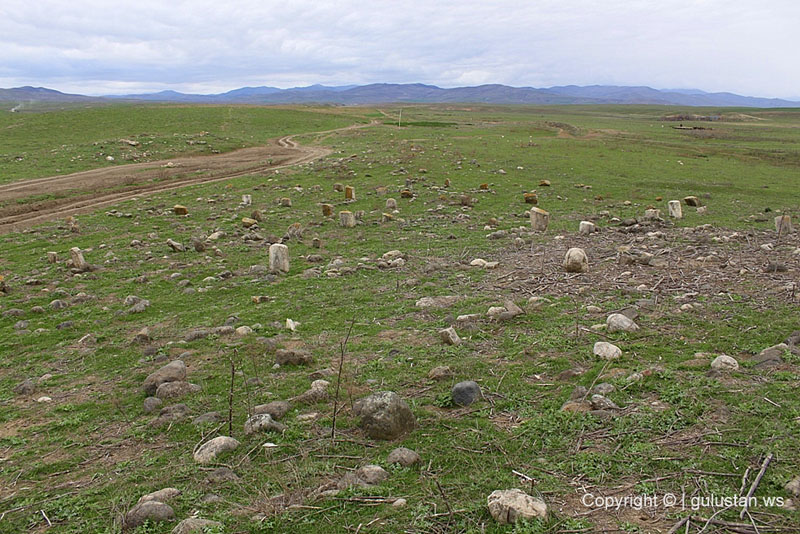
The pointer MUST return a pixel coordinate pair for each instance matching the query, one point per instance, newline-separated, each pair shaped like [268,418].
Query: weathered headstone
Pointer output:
[347,219]
[278,258]
[575,261]
[349,192]
[327,210]
[674,207]
[539,219]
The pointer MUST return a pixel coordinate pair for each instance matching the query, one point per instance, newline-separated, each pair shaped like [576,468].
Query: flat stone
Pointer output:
[176,390]
[210,450]
[403,456]
[510,506]
[449,336]
[152,511]
[162,495]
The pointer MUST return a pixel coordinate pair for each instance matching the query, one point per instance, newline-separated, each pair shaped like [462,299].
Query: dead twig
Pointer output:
[753,486]
[343,348]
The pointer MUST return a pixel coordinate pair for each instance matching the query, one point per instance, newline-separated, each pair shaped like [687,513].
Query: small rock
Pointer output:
[152,511]
[176,390]
[26,387]
[151,404]
[449,336]
[403,456]
[465,393]
[209,451]
[606,351]
[723,362]
[174,371]
[575,261]
[793,486]
[618,322]
[442,372]
[599,402]
[384,415]
[262,422]
[293,357]
[399,503]
[195,525]
[276,409]
[162,495]
[509,506]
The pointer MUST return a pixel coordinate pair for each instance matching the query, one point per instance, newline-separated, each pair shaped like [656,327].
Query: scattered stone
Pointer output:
[148,511]
[652,214]
[196,525]
[142,336]
[772,355]
[692,201]
[575,261]
[606,351]
[262,422]
[599,402]
[594,309]
[618,322]
[162,495]
[783,224]
[26,387]
[78,262]
[249,222]
[317,393]
[178,209]
[465,393]
[58,304]
[399,503]
[151,404]
[176,390]
[175,246]
[347,219]
[723,362]
[530,198]
[437,302]
[509,506]
[403,456]
[441,372]
[276,409]
[293,357]
[44,399]
[286,202]
[449,336]
[674,207]
[368,475]
[586,227]
[793,486]
[209,451]
[174,371]
[52,257]
[384,415]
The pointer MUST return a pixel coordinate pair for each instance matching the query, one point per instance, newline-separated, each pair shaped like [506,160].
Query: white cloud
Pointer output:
[92,46]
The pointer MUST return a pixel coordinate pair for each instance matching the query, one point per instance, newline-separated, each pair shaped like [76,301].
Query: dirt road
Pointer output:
[29,202]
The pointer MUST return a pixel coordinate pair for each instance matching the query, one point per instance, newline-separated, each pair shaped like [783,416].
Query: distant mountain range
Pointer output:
[380,93]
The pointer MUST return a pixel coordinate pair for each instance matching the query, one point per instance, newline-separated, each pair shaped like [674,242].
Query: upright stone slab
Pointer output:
[539,219]
[391,204]
[338,187]
[278,258]
[349,192]
[327,210]
[77,259]
[347,219]
[692,201]
[247,200]
[652,214]
[783,224]
[530,198]
[674,207]
[52,257]
[575,261]
[586,227]
[179,209]
[286,202]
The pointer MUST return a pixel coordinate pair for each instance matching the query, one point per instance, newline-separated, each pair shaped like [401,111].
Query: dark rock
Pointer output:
[293,357]
[384,415]
[465,393]
[276,409]
[26,387]
[174,371]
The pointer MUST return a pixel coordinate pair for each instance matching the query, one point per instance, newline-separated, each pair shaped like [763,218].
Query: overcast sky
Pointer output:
[101,47]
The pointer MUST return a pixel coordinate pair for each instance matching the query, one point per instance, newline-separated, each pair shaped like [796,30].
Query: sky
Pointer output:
[97,47]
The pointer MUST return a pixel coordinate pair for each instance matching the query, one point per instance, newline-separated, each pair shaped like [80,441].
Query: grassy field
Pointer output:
[76,463]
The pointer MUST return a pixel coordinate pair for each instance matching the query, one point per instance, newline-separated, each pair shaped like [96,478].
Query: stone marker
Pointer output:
[674,207]
[509,506]
[77,259]
[248,222]
[586,227]
[286,202]
[278,258]
[575,261]
[783,224]
[449,336]
[530,198]
[179,209]
[692,201]
[247,200]
[52,257]
[327,210]
[391,204]
[338,187]
[406,193]
[539,219]
[347,219]
[349,192]
[652,214]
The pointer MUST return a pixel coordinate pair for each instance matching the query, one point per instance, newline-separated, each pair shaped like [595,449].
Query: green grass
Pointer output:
[91,453]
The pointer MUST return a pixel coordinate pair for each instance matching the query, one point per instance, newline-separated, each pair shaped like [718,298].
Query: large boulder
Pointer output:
[174,371]
[385,415]
[509,506]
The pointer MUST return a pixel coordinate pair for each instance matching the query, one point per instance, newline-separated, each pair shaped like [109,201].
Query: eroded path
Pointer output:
[29,202]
